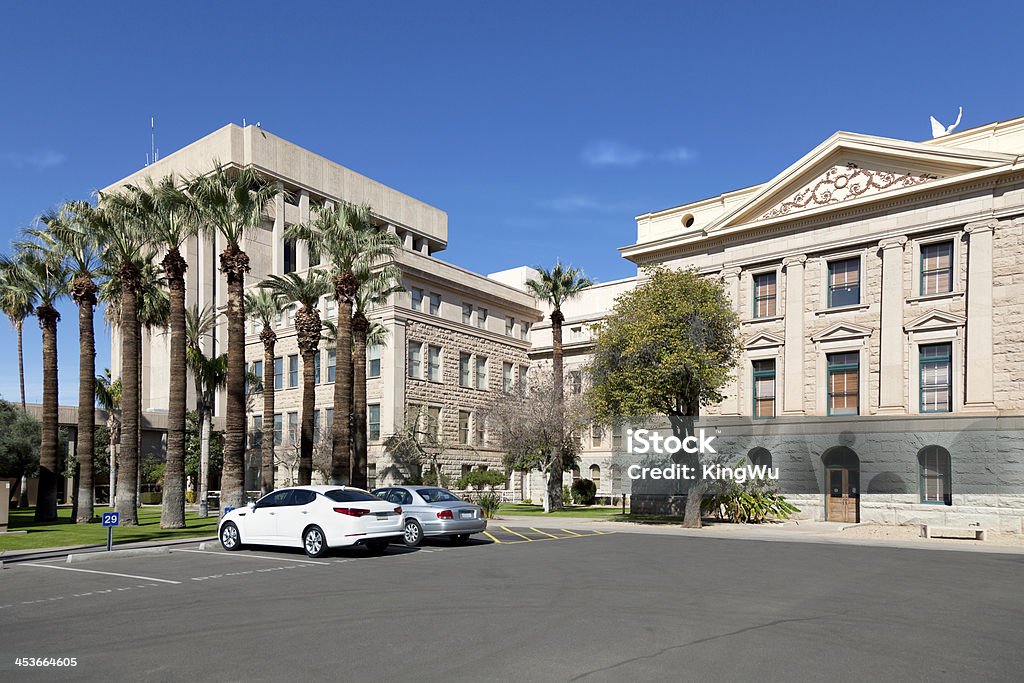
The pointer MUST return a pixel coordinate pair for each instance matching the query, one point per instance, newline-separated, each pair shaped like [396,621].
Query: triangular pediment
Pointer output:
[763,340]
[935,320]
[841,331]
[854,168]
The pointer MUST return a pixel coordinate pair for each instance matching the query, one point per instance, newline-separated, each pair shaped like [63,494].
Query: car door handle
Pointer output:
[271,513]
[305,512]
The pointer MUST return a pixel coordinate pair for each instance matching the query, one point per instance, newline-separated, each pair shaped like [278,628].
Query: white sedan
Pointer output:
[315,518]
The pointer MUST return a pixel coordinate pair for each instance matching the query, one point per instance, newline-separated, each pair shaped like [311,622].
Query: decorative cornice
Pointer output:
[986,225]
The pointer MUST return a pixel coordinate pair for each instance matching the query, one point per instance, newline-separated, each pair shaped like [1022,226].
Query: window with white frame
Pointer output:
[435,303]
[373,354]
[481,372]
[373,422]
[480,426]
[524,330]
[937,268]
[464,427]
[936,361]
[510,325]
[415,362]
[843,383]
[844,282]
[434,363]
[417,298]
[765,294]
[506,377]
[481,318]
[465,370]
[467,314]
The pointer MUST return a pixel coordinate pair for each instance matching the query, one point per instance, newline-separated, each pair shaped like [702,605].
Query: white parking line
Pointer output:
[259,557]
[94,571]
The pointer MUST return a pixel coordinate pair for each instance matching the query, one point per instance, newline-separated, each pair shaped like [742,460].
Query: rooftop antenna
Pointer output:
[938,130]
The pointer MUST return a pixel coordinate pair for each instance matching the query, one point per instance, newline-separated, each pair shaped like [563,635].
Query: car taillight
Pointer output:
[444,514]
[352,512]
[398,511]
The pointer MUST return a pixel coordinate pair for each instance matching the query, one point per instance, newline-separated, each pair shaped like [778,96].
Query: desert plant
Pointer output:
[752,502]
[489,502]
[583,492]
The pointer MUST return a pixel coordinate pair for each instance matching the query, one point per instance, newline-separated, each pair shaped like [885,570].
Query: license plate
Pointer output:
[383,515]
[466,514]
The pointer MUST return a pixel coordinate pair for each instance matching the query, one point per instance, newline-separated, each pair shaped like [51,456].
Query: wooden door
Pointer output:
[842,502]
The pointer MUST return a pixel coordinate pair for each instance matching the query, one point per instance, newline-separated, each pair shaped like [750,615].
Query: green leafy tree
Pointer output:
[556,287]
[19,442]
[354,248]
[306,291]
[668,348]
[231,202]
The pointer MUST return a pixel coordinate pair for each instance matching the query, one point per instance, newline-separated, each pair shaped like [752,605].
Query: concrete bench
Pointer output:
[975,532]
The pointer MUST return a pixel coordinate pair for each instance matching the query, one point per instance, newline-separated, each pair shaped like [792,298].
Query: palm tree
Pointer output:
[16,304]
[116,225]
[374,292]
[556,287]
[108,397]
[45,275]
[171,219]
[346,235]
[209,375]
[231,203]
[306,292]
[64,235]
[263,306]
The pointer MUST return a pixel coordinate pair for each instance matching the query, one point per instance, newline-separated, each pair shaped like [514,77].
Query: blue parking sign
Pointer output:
[109,519]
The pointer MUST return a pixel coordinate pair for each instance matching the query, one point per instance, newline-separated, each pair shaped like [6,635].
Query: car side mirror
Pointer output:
[252,506]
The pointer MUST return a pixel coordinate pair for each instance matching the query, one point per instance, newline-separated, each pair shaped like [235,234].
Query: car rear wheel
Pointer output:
[459,539]
[229,537]
[413,533]
[314,542]
[377,547]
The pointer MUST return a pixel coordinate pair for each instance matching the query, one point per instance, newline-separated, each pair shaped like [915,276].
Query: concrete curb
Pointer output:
[117,554]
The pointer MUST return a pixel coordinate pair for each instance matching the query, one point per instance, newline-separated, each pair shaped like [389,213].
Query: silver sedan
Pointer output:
[434,511]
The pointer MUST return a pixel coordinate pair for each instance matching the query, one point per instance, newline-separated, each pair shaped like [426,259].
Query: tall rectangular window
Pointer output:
[256,436]
[936,362]
[844,282]
[289,256]
[596,436]
[417,299]
[481,318]
[257,371]
[522,379]
[316,426]
[332,365]
[279,373]
[373,422]
[510,325]
[415,359]
[314,258]
[328,422]
[764,388]
[373,360]
[935,476]
[293,428]
[575,382]
[936,268]
[291,315]
[481,372]
[524,330]
[434,363]
[316,367]
[279,320]
[467,314]
[843,383]
[463,427]
[331,309]
[465,370]
[434,421]
[293,371]
[278,423]
[480,426]
[435,304]
[764,295]
[506,377]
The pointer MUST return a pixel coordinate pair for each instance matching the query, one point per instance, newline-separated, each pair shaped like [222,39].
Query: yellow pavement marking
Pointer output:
[543,532]
[570,532]
[516,533]
[488,535]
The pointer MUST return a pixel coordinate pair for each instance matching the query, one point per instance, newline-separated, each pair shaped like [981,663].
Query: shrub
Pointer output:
[190,497]
[150,498]
[566,495]
[489,501]
[527,501]
[480,478]
[751,502]
[583,492]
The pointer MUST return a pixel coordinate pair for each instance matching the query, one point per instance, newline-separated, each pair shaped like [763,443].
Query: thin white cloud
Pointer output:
[611,153]
[571,203]
[39,159]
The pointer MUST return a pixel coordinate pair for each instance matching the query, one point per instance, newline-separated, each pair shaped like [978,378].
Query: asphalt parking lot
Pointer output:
[525,604]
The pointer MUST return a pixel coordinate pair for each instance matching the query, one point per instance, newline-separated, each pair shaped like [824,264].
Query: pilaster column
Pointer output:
[793,372]
[277,237]
[302,255]
[731,277]
[892,393]
[980,394]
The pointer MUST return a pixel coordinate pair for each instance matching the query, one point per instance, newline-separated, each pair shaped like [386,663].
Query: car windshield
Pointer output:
[349,495]
[437,496]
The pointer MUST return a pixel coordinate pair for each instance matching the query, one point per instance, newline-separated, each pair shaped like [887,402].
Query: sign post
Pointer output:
[110,520]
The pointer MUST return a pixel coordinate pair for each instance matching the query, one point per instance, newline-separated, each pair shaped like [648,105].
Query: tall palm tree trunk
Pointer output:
[128,472]
[306,427]
[19,326]
[359,455]
[172,515]
[267,446]
[46,502]
[341,461]
[555,469]
[84,292]
[235,264]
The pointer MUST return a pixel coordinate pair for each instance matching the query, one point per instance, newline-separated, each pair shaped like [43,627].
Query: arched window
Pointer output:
[936,487]
[595,476]
[759,456]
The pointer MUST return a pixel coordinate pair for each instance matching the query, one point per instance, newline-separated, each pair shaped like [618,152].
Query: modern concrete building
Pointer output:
[880,285]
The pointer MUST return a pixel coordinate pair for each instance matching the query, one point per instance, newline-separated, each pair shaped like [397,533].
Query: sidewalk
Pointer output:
[794,531]
[56,553]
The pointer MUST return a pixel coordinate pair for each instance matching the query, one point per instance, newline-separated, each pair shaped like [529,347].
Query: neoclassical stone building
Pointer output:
[880,284]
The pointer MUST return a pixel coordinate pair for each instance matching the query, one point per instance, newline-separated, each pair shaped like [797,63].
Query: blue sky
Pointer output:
[542,128]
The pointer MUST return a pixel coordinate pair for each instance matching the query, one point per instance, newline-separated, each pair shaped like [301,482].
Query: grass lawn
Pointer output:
[64,532]
[593,511]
